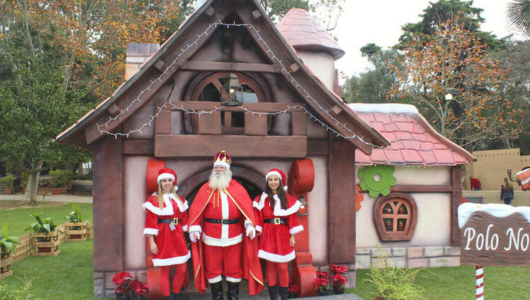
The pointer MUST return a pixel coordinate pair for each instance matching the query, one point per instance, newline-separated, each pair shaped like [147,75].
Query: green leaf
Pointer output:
[4,230]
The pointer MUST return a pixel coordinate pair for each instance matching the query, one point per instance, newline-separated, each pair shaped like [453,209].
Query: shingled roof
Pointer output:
[413,141]
[303,32]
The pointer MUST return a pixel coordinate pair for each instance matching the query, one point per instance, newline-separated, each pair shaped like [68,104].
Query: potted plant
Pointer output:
[76,228]
[45,237]
[61,180]
[7,246]
[338,278]
[9,182]
[321,283]
[126,287]
[293,291]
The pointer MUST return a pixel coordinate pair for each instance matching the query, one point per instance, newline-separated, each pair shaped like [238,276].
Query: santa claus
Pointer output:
[223,234]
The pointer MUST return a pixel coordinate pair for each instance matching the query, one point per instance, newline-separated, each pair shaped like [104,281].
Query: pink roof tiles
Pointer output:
[412,139]
[303,32]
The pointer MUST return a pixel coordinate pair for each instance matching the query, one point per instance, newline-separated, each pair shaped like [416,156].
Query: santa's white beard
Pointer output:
[220,180]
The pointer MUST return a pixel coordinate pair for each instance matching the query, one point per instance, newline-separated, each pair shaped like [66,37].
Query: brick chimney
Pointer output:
[137,55]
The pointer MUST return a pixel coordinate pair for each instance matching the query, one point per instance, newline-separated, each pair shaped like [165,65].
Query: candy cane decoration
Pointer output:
[480,283]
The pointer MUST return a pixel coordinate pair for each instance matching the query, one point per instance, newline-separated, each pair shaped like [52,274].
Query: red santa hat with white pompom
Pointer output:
[280,174]
[167,174]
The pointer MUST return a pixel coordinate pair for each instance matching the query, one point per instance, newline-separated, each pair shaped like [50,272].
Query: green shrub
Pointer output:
[6,242]
[75,215]
[42,226]
[23,293]
[61,178]
[393,283]
[10,179]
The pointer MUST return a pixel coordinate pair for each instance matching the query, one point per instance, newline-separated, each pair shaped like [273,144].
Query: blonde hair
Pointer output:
[507,185]
[161,194]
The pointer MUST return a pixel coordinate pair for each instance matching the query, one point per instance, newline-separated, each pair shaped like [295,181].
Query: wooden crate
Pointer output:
[76,232]
[62,233]
[24,249]
[89,228]
[5,264]
[46,248]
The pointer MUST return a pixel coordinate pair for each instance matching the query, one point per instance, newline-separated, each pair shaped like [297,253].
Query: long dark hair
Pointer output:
[280,191]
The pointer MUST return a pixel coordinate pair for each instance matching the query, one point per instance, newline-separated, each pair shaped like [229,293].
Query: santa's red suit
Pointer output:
[276,226]
[168,225]
[224,248]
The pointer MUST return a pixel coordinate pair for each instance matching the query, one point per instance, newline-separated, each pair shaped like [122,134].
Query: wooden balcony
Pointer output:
[251,136]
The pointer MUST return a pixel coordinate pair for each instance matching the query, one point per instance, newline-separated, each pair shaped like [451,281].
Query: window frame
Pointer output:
[412,217]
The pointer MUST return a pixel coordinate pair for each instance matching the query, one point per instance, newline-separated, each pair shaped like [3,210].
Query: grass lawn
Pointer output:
[459,283]
[70,275]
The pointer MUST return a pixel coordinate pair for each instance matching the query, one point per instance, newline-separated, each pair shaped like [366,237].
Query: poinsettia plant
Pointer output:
[338,278]
[321,283]
[128,287]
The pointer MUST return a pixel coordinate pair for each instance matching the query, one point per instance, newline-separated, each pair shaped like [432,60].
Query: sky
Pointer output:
[380,21]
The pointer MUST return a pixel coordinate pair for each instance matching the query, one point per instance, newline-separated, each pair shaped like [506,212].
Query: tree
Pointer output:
[58,59]
[327,12]
[444,10]
[374,85]
[519,15]
[449,78]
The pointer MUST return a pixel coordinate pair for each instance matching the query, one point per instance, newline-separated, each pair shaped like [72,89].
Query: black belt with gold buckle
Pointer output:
[168,221]
[222,221]
[276,221]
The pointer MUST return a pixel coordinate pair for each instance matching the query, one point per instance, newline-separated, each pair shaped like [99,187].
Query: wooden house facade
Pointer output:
[227,80]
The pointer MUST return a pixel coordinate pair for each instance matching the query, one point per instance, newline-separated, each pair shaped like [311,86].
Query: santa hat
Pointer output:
[167,174]
[222,159]
[280,174]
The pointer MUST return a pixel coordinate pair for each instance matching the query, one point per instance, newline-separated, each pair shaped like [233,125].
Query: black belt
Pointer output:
[276,221]
[169,221]
[222,221]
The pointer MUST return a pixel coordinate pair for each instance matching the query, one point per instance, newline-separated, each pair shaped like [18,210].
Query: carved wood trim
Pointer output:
[229,67]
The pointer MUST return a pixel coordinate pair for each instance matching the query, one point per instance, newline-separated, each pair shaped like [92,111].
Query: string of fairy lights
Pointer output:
[170,105]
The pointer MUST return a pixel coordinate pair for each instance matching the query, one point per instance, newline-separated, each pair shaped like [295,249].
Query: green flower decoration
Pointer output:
[377,180]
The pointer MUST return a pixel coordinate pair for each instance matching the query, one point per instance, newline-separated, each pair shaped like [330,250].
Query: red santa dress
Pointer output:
[274,242]
[169,237]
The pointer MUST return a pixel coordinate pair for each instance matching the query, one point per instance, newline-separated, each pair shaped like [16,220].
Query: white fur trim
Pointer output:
[259,205]
[248,223]
[183,206]
[232,279]
[150,231]
[165,176]
[259,229]
[279,212]
[296,230]
[195,228]
[276,257]
[185,228]
[215,279]
[221,163]
[166,211]
[210,241]
[157,262]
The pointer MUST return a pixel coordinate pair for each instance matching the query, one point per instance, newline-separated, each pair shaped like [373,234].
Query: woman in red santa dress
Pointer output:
[165,225]
[275,212]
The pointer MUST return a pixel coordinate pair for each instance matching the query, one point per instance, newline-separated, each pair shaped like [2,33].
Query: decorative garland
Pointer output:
[272,56]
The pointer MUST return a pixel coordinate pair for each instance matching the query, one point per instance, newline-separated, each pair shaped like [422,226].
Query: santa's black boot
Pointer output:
[233,290]
[284,292]
[170,297]
[217,290]
[176,296]
[273,292]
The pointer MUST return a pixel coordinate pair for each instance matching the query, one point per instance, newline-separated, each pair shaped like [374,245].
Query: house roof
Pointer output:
[413,141]
[84,132]
[303,32]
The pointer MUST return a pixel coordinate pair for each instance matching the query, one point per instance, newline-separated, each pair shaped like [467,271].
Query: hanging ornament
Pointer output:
[358,198]
[377,180]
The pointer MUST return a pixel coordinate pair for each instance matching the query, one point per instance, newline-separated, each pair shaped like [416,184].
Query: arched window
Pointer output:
[395,216]
[210,88]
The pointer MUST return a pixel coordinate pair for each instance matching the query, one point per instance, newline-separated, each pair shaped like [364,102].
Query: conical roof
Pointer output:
[303,32]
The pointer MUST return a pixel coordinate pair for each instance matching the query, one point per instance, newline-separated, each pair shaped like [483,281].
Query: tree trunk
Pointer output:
[33,183]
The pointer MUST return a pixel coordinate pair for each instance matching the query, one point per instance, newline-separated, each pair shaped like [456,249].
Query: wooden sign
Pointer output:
[494,235]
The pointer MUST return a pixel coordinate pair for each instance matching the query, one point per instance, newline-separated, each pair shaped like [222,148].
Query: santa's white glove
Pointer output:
[251,232]
[195,236]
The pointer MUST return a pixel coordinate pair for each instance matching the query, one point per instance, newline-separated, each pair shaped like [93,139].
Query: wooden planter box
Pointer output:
[24,249]
[58,191]
[76,232]
[6,260]
[46,248]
